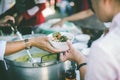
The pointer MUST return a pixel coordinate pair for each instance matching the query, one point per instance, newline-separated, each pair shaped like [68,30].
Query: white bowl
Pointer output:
[80,46]
[61,45]
[83,38]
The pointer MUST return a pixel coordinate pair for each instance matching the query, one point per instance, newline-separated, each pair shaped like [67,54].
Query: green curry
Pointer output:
[48,57]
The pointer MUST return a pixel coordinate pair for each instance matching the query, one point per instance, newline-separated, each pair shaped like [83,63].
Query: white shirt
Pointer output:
[2,49]
[5,5]
[35,9]
[104,57]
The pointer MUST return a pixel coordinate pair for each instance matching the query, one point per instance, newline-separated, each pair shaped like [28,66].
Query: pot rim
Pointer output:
[29,64]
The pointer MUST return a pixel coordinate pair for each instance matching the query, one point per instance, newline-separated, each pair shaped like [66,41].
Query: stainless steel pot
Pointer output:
[53,70]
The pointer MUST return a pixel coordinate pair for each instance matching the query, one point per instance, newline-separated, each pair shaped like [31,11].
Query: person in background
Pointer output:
[77,16]
[65,7]
[5,5]
[104,55]
[85,12]
[32,16]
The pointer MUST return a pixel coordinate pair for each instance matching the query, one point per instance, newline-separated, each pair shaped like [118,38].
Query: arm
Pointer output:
[40,42]
[12,47]
[82,70]
[78,16]
[74,55]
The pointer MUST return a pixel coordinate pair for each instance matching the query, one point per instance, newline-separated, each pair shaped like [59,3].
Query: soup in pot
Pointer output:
[47,57]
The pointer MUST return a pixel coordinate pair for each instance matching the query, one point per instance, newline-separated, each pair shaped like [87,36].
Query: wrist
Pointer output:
[81,65]
[27,44]
[80,59]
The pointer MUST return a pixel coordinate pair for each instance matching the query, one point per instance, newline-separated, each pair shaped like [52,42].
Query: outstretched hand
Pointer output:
[43,43]
[72,54]
[59,23]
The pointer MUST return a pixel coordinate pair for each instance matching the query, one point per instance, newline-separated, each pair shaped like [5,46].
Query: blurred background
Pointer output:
[31,14]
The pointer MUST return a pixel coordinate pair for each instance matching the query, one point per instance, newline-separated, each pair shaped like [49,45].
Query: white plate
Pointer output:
[83,38]
[80,46]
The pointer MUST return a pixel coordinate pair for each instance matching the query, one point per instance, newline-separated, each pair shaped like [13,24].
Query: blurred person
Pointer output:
[32,16]
[65,7]
[77,16]
[104,53]
[5,5]
[85,12]
[28,14]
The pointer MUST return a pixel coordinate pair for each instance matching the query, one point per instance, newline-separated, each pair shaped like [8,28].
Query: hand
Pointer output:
[43,43]
[59,23]
[73,54]
[9,18]
[3,22]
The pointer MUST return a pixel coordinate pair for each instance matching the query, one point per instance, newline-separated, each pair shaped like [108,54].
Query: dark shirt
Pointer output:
[90,5]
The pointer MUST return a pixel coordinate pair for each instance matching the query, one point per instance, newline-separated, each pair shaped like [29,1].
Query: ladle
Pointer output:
[14,28]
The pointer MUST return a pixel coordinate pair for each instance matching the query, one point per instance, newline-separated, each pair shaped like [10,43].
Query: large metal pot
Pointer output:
[53,70]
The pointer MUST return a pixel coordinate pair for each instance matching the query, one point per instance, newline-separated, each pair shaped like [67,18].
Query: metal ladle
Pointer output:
[14,28]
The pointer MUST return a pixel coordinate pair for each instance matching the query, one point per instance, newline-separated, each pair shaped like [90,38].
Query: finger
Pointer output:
[69,44]
[12,18]
[63,57]
[53,50]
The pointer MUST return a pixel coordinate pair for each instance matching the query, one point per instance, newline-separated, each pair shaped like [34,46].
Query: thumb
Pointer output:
[69,44]
[62,57]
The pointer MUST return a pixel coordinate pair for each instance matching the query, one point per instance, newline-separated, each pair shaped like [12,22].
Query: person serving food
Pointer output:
[7,48]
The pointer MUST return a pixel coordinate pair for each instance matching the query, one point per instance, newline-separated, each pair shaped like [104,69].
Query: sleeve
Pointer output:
[30,12]
[100,66]
[2,49]
[33,11]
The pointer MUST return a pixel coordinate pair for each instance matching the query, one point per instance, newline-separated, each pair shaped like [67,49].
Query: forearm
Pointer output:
[82,69]
[12,47]
[79,16]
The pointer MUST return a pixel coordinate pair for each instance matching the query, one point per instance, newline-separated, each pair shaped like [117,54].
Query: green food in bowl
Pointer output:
[59,37]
